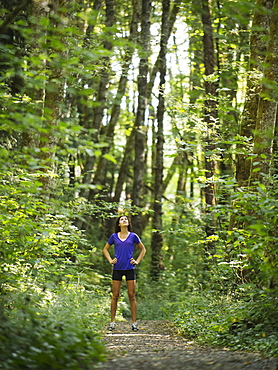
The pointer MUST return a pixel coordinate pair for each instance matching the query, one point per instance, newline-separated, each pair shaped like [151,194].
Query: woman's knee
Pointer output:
[131,296]
[116,296]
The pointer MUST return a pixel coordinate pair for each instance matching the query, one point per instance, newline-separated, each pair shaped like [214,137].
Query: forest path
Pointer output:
[157,346]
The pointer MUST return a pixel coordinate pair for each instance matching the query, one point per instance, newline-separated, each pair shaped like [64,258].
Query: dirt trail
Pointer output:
[157,346]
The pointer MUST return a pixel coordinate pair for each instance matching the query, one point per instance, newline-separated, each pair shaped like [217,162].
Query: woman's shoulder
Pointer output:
[112,236]
[134,235]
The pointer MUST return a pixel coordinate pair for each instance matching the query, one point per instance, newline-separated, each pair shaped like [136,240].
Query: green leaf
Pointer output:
[110,157]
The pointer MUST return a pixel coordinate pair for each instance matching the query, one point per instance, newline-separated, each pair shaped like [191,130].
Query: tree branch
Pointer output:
[11,17]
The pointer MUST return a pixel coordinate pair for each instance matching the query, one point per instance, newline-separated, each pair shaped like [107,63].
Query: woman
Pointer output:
[123,264]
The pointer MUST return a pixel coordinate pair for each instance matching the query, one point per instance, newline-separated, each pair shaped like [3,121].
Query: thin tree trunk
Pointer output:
[171,171]
[90,29]
[101,170]
[274,164]
[100,98]
[210,110]
[181,184]
[125,167]
[140,127]
[157,240]
[52,100]
[155,69]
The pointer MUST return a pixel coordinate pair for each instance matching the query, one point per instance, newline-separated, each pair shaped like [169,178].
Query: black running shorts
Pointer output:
[129,275]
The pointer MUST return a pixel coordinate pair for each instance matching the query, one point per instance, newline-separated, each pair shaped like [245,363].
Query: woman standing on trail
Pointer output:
[123,264]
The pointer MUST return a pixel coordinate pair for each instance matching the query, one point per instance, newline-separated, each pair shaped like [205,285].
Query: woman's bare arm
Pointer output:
[107,254]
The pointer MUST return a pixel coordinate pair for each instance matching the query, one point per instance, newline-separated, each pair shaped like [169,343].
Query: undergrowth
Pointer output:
[246,320]
[47,330]
[240,324]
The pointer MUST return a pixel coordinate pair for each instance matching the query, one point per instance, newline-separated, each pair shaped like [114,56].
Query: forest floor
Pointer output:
[157,345]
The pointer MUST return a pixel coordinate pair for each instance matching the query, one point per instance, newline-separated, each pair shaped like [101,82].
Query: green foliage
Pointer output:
[247,321]
[153,298]
[45,321]
[247,239]
[220,288]
[52,330]
[48,320]
[244,320]
[35,234]
[183,249]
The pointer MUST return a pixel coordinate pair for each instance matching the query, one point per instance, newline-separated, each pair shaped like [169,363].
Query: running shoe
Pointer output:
[134,327]
[111,326]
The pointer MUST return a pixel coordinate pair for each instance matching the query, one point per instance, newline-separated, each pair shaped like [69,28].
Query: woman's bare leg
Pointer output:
[116,287]
[132,299]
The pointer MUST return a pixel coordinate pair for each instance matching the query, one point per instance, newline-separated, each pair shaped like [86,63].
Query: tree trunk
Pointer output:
[100,174]
[267,107]
[181,184]
[171,171]
[140,128]
[125,168]
[155,69]
[274,164]
[210,108]
[260,26]
[90,29]
[157,240]
[101,96]
[49,97]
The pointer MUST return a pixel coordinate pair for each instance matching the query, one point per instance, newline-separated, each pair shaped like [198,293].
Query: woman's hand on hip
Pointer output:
[133,261]
[114,261]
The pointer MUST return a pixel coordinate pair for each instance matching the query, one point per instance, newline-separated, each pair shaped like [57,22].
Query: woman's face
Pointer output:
[123,221]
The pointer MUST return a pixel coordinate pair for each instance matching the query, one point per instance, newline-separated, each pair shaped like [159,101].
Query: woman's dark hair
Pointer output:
[117,226]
